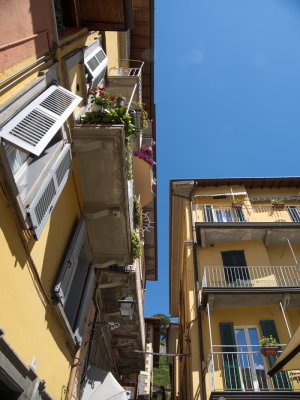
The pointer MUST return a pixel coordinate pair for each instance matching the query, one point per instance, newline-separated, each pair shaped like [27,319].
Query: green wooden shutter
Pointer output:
[230,359]
[281,379]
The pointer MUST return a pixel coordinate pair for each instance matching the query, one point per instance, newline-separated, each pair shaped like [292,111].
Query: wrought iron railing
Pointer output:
[244,368]
[251,276]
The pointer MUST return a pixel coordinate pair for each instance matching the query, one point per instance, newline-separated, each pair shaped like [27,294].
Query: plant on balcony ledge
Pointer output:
[269,346]
[103,110]
[278,204]
[137,213]
[237,203]
[146,154]
[136,245]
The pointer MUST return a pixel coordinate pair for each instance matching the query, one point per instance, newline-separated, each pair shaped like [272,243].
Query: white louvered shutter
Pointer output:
[45,199]
[65,277]
[96,63]
[82,313]
[34,127]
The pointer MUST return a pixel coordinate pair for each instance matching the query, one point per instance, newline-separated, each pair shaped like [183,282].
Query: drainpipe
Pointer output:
[197,287]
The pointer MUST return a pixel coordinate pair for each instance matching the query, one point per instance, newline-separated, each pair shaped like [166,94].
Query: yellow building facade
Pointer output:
[234,279]
[66,258]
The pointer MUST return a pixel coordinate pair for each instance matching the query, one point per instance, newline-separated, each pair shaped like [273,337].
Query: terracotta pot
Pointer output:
[269,351]
[278,206]
[237,205]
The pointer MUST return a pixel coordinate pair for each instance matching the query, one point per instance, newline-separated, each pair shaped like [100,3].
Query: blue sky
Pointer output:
[227,94]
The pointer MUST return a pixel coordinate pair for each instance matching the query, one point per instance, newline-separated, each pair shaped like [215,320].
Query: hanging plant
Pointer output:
[145,153]
[137,210]
[136,245]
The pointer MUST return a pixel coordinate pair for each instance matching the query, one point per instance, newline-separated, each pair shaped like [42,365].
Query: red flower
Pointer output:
[111,98]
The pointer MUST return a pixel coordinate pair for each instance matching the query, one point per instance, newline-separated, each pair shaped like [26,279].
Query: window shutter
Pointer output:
[82,314]
[96,64]
[208,212]
[68,268]
[45,199]
[34,127]
[281,379]
[230,360]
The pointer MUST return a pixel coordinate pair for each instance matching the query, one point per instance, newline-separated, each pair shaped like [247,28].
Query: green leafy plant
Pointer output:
[111,116]
[268,341]
[238,201]
[137,213]
[277,201]
[136,245]
[128,155]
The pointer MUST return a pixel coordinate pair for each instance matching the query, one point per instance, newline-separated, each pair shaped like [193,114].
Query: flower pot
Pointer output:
[278,206]
[269,351]
[237,205]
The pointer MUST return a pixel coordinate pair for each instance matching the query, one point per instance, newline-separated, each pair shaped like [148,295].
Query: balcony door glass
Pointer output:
[222,215]
[251,363]
[294,213]
[235,268]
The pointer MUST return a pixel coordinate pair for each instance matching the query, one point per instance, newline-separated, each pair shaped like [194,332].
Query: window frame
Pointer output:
[11,113]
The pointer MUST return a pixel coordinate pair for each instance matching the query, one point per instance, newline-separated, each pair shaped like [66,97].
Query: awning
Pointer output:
[102,385]
[289,360]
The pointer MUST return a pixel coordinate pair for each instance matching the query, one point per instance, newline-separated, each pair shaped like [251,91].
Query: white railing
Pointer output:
[247,213]
[251,276]
[129,68]
[244,368]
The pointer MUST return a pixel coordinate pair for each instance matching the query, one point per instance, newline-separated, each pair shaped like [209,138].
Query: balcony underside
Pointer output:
[252,395]
[233,297]
[100,157]
[273,233]
[130,336]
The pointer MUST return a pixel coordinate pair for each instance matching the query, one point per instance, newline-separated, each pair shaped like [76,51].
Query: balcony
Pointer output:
[100,156]
[241,373]
[126,79]
[246,281]
[257,213]
[115,283]
[217,224]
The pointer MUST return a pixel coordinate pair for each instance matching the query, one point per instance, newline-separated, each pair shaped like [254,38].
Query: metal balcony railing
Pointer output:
[251,276]
[243,368]
[129,69]
[257,213]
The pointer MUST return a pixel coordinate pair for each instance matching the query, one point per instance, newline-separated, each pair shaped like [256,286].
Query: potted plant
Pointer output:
[278,204]
[237,203]
[269,346]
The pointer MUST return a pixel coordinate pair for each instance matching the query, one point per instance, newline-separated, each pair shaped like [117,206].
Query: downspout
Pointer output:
[197,288]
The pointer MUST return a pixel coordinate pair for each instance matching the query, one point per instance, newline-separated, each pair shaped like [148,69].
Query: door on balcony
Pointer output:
[217,214]
[235,268]
[294,213]
[251,363]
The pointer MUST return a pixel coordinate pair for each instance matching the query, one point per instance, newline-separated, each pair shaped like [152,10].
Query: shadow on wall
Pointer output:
[26,30]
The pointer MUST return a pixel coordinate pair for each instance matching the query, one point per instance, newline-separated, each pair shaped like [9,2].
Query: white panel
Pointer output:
[68,268]
[45,199]
[96,62]
[34,127]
